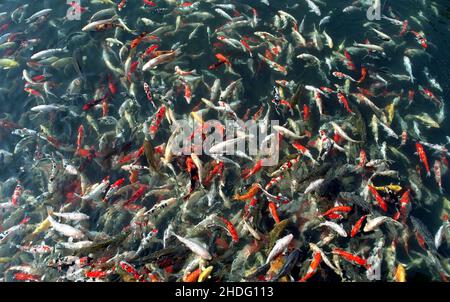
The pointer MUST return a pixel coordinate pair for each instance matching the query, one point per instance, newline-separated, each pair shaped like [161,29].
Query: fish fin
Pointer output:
[49,211]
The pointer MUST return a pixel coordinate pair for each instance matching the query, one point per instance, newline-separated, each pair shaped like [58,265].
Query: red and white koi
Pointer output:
[438,173]
[362,159]
[404,29]
[312,269]
[148,93]
[342,133]
[36,249]
[341,75]
[187,92]
[273,65]
[130,269]
[80,136]
[405,205]
[16,195]
[430,95]
[156,121]
[273,182]
[420,39]
[286,166]
[349,62]
[304,151]
[343,100]
[404,137]
[113,188]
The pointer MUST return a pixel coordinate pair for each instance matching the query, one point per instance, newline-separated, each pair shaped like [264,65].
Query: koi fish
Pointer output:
[273,212]
[231,230]
[113,189]
[156,121]
[350,257]
[423,157]
[420,39]
[437,174]
[250,193]
[343,100]
[312,269]
[344,209]
[378,198]
[254,170]
[16,195]
[279,247]
[357,226]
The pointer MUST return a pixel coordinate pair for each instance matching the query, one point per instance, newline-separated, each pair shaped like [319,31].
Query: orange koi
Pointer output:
[423,157]
[96,274]
[379,199]
[306,113]
[357,226]
[254,189]
[343,100]
[223,59]
[345,209]
[193,276]
[350,257]
[26,277]
[363,75]
[231,230]
[273,212]
[254,170]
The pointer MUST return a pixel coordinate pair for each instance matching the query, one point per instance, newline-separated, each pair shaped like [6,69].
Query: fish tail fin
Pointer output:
[49,211]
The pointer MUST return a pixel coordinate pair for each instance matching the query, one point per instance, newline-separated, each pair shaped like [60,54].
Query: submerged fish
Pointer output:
[222,141]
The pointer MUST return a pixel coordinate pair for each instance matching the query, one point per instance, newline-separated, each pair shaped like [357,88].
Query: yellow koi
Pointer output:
[400,273]
[205,274]
[392,187]
[390,109]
